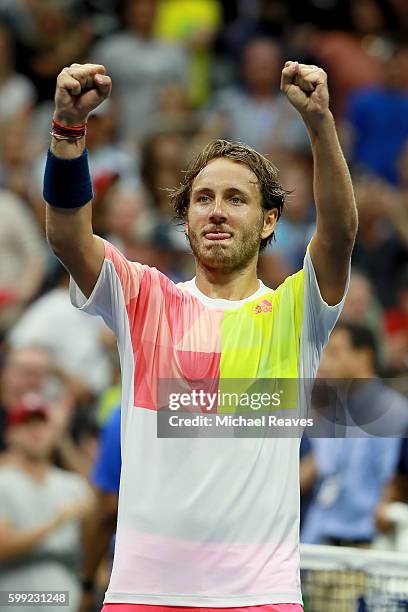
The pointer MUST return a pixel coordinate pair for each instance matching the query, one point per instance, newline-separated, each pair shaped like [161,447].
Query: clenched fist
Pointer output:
[80,89]
[306,88]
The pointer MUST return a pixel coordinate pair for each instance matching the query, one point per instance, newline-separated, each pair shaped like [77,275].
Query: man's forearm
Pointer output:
[61,231]
[16,544]
[332,186]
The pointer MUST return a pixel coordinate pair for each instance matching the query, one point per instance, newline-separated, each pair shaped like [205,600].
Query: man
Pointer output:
[255,112]
[24,370]
[73,339]
[396,490]
[22,259]
[352,466]
[378,119]
[150,64]
[41,509]
[206,522]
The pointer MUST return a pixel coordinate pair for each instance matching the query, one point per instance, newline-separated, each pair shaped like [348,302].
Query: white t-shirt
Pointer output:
[208,522]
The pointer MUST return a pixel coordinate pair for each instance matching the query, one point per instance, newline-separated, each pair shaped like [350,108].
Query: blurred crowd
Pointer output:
[185,72]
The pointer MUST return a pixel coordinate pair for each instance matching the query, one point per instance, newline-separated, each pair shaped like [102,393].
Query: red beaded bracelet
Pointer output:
[68,132]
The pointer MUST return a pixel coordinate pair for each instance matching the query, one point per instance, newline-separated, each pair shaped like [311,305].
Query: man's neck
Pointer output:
[234,285]
[38,469]
[146,35]
[364,373]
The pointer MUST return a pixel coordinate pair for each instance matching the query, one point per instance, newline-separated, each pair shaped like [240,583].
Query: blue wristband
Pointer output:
[67,182]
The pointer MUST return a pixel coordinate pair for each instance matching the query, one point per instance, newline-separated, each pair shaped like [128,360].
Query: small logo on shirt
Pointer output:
[263,306]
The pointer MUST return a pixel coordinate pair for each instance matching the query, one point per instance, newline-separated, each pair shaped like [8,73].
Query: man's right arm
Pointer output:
[15,543]
[80,89]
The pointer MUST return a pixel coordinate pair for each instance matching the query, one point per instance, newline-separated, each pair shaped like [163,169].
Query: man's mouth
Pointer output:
[217,235]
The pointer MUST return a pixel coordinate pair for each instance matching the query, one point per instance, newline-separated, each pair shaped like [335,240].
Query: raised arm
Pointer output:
[67,184]
[331,246]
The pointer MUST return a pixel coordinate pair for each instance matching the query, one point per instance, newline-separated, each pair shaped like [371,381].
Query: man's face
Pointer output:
[225,221]
[34,438]
[25,371]
[261,67]
[141,15]
[340,359]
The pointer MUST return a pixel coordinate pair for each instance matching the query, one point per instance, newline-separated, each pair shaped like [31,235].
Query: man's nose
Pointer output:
[217,213]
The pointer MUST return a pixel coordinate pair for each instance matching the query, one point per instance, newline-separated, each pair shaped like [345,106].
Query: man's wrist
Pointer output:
[67,149]
[69,121]
[67,180]
[318,122]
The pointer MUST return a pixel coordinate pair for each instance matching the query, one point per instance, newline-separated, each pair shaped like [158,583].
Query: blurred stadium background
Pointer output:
[185,72]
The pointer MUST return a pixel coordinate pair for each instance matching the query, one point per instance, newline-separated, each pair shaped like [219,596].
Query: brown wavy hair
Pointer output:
[272,193]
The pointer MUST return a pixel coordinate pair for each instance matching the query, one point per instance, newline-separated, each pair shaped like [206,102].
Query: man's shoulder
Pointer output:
[69,483]
[112,47]
[367,98]
[380,389]
[10,475]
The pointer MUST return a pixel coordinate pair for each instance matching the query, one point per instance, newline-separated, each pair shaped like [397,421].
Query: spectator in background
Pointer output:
[137,229]
[378,117]
[30,370]
[22,258]
[298,220]
[255,19]
[352,467]
[162,157]
[140,64]
[354,59]
[17,93]
[363,308]
[53,35]
[255,112]
[194,25]
[41,509]
[382,241]
[17,156]
[100,529]
[164,154]
[73,339]
[109,155]
[24,371]
[397,327]
[296,226]
[127,219]
[111,162]
[396,490]
[307,477]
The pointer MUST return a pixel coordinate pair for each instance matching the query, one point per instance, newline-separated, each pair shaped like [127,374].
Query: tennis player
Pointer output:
[206,522]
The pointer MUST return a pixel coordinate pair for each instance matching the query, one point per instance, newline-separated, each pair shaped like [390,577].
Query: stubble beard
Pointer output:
[228,257]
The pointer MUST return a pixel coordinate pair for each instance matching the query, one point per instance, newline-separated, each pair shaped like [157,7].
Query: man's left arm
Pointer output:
[336,227]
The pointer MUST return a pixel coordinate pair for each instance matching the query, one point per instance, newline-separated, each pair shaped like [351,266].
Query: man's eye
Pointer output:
[204,199]
[236,200]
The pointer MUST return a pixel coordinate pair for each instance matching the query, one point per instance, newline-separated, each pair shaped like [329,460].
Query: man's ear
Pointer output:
[270,221]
